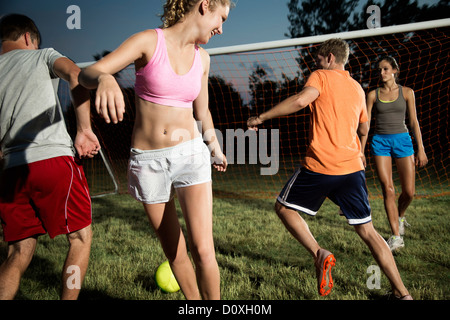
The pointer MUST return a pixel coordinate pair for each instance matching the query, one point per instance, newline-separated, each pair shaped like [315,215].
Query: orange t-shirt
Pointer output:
[334,145]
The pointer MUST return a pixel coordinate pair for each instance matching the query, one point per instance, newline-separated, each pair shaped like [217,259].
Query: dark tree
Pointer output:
[317,17]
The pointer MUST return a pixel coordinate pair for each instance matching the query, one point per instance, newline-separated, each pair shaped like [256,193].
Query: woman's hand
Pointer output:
[109,101]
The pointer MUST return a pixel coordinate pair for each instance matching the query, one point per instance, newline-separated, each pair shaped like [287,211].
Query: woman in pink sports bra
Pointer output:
[171,98]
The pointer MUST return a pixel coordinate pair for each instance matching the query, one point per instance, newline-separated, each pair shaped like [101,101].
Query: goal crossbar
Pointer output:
[318,39]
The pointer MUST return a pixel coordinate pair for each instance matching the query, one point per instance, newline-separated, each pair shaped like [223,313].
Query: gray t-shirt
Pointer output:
[32,126]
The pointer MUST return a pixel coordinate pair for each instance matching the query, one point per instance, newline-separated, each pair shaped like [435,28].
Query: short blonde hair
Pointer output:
[338,47]
[175,10]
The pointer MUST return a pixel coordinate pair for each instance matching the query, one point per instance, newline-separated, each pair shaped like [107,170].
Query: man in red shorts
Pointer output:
[42,185]
[332,167]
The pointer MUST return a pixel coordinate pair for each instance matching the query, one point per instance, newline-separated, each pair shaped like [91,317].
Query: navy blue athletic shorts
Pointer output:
[306,191]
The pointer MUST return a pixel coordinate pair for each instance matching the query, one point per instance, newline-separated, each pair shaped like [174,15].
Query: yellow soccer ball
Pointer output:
[165,278]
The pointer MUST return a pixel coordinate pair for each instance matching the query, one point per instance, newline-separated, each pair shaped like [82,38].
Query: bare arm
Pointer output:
[364,136]
[203,114]
[363,131]
[421,159]
[288,106]
[109,101]
[86,142]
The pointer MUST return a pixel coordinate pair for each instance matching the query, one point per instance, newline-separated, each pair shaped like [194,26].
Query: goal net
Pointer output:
[247,80]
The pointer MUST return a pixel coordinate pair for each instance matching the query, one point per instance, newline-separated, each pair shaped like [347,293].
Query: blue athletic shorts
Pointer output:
[392,145]
[306,191]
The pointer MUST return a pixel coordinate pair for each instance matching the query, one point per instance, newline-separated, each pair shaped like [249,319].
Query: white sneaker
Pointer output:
[395,242]
[402,224]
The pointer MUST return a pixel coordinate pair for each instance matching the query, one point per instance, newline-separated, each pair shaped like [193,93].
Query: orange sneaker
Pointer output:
[324,262]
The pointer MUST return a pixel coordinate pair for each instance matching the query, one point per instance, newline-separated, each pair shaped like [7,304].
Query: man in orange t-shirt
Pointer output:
[337,112]
[333,166]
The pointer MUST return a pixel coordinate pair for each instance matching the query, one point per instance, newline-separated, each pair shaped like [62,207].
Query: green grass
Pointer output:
[257,257]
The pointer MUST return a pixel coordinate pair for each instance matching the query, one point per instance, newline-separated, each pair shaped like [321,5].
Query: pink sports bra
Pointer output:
[157,82]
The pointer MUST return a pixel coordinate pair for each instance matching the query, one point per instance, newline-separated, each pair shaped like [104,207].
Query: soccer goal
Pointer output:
[246,80]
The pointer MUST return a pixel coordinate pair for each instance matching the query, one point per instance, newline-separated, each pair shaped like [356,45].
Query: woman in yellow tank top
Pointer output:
[392,140]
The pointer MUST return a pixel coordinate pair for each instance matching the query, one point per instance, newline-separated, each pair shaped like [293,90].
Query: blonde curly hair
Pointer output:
[175,10]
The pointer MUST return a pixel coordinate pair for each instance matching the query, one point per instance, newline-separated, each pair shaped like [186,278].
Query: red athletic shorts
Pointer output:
[49,196]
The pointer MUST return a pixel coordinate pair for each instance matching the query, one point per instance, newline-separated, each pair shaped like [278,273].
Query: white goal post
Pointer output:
[318,39]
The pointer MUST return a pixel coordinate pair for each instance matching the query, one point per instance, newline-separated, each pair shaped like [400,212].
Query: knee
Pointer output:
[283,212]
[389,191]
[279,209]
[366,232]
[408,194]
[21,253]
[204,255]
[81,237]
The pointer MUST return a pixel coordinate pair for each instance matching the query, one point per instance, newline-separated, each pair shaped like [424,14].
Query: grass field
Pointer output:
[258,259]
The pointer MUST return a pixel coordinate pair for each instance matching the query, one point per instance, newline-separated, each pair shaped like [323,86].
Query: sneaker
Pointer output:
[402,224]
[394,297]
[324,262]
[395,242]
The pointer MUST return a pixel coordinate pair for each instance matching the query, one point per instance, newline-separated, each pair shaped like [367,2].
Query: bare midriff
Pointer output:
[159,126]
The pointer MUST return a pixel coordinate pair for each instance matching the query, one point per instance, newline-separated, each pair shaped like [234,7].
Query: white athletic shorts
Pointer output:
[153,174]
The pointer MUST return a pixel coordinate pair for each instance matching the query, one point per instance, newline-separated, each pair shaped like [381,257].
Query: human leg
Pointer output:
[305,191]
[196,204]
[76,263]
[65,208]
[323,259]
[19,257]
[152,176]
[406,170]
[403,152]
[164,220]
[298,228]
[384,170]
[383,256]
